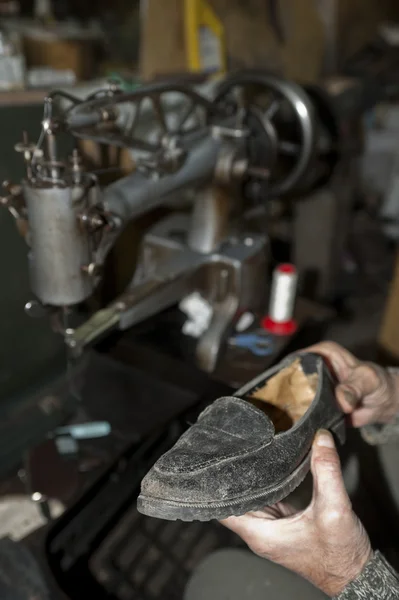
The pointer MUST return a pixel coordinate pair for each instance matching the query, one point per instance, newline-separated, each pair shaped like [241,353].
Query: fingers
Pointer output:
[357,380]
[362,417]
[266,536]
[252,528]
[329,488]
[341,360]
[285,509]
[361,382]
[240,525]
[347,399]
[245,524]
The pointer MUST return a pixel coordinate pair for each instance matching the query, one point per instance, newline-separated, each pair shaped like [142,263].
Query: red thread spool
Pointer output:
[280,320]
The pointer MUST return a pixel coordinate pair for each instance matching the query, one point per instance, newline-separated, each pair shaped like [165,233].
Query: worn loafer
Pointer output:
[247,451]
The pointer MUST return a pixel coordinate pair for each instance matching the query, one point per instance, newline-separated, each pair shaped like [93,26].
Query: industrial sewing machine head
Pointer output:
[228,150]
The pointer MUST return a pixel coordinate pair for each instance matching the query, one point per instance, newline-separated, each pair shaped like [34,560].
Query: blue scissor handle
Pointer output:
[258,344]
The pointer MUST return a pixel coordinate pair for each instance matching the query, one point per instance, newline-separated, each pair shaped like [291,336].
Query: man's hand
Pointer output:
[365,391]
[326,543]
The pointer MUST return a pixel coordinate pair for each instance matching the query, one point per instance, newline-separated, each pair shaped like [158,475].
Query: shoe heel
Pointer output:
[339,431]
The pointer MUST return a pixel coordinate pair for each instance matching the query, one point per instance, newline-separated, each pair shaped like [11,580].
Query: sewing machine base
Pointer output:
[160,341]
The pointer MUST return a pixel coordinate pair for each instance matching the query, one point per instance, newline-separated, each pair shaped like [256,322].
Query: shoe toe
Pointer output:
[230,428]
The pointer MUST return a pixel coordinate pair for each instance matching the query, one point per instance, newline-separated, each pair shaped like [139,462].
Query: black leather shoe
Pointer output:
[248,451]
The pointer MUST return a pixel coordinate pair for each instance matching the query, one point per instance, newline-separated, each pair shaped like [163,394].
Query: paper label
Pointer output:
[210,49]
[11,72]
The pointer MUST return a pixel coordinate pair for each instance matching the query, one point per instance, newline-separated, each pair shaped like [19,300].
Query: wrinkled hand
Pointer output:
[365,391]
[326,543]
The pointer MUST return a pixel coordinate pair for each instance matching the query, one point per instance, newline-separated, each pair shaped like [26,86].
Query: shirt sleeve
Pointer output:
[378,581]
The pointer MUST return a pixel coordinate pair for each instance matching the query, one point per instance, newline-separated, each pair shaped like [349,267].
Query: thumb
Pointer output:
[328,488]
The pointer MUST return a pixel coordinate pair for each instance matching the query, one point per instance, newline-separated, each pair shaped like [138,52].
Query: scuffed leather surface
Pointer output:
[231,452]
[221,432]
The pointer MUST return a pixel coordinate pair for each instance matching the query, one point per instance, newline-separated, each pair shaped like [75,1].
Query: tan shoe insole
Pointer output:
[286,396]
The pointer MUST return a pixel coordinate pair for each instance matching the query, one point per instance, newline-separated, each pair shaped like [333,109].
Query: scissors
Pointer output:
[259,343]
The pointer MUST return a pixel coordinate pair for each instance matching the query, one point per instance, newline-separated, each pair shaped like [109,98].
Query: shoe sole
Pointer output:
[208,511]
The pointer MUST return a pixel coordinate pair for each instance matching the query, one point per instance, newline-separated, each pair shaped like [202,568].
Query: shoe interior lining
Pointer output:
[286,396]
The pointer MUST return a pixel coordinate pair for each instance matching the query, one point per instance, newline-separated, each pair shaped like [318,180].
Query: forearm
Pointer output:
[378,581]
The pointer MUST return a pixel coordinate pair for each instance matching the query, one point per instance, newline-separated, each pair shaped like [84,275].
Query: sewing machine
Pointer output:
[253,139]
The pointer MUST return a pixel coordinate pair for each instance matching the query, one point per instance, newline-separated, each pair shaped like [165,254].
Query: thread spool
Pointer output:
[280,320]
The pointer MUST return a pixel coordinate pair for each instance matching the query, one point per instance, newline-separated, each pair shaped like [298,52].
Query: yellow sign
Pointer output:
[205,38]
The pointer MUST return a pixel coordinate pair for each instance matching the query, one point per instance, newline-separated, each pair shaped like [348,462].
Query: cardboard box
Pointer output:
[74,54]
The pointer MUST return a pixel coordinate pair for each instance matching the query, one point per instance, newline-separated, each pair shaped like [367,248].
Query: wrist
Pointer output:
[351,566]
[353,572]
